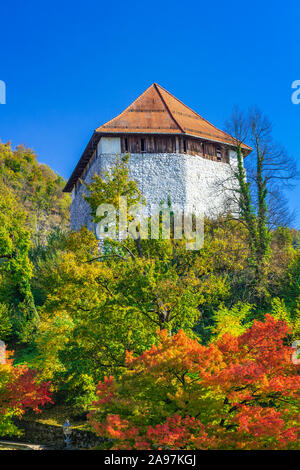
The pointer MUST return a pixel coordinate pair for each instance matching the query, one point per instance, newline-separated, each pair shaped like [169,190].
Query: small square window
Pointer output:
[219,155]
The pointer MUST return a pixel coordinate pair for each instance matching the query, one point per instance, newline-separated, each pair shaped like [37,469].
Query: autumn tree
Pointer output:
[38,191]
[237,393]
[97,309]
[20,391]
[96,303]
[99,303]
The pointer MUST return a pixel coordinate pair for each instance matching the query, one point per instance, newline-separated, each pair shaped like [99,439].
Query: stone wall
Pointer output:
[188,180]
[53,437]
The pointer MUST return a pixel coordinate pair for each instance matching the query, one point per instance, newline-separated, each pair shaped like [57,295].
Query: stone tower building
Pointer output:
[175,155]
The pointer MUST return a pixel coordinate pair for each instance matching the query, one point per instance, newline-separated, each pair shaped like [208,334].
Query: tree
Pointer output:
[109,187]
[38,191]
[31,205]
[15,267]
[95,311]
[269,168]
[5,322]
[237,393]
[19,392]
[259,193]
[234,321]
[150,284]
[95,304]
[98,303]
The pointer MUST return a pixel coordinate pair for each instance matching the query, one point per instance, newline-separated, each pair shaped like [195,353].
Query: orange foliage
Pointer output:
[237,393]
[19,391]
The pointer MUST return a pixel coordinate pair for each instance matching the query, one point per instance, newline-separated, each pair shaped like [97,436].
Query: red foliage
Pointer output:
[19,391]
[237,393]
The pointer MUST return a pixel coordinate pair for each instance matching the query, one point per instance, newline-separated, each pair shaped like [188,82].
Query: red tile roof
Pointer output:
[155,111]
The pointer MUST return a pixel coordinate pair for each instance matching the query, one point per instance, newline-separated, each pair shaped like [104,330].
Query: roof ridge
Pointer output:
[201,117]
[181,102]
[168,109]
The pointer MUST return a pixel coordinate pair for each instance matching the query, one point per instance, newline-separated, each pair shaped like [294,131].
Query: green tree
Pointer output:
[5,322]
[38,190]
[15,267]
[269,166]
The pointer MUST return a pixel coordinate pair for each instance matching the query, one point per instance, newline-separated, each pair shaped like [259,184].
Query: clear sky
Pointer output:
[70,66]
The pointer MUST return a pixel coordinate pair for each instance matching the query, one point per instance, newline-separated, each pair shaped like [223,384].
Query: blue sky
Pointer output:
[71,66]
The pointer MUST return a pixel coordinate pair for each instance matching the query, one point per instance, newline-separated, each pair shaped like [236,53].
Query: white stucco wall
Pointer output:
[186,179]
[109,145]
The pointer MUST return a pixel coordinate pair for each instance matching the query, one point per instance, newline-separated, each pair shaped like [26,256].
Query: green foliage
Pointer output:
[5,323]
[15,267]
[245,203]
[81,308]
[37,188]
[232,321]
[95,311]
[108,187]
[97,304]
[31,206]
[290,283]
[256,223]
[279,310]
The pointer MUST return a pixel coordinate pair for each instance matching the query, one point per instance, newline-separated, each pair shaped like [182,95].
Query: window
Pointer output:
[219,155]
[143,146]
[126,144]
[184,146]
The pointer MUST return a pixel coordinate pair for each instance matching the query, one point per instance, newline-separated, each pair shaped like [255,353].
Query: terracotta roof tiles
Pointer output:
[157,111]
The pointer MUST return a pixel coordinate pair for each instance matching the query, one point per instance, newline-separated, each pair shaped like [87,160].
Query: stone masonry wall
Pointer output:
[53,437]
[188,180]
